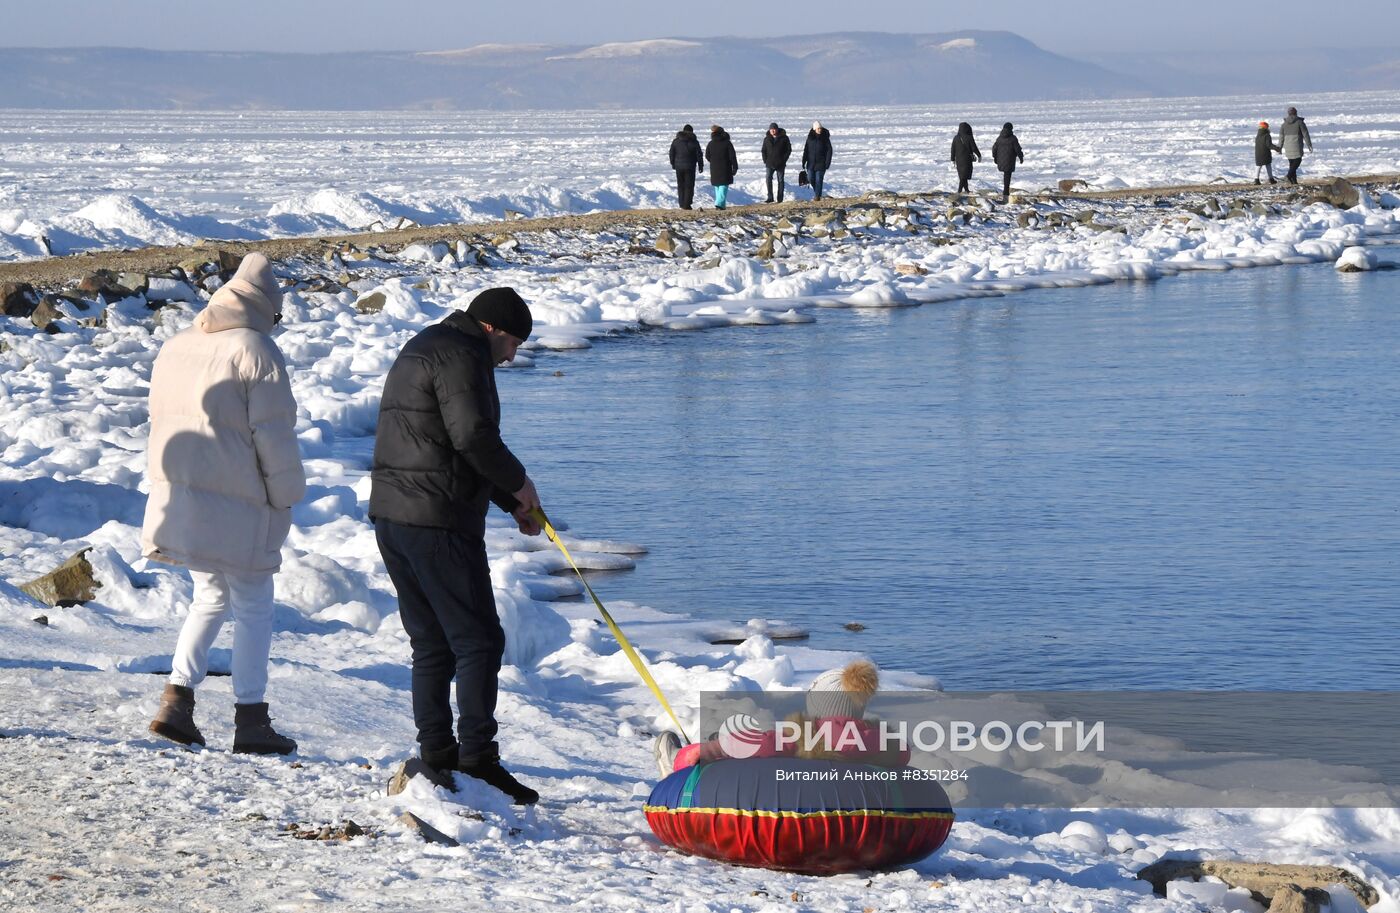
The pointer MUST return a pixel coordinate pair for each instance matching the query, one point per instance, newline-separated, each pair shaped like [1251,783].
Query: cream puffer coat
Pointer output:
[223,462]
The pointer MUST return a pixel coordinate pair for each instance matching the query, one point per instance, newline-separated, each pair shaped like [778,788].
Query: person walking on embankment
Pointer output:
[1264,150]
[1292,137]
[686,161]
[724,164]
[1006,152]
[964,151]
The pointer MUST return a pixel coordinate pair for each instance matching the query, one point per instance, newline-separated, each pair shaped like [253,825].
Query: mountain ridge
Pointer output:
[829,69]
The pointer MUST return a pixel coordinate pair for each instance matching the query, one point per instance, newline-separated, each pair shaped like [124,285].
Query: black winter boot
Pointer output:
[175,718]
[253,732]
[487,768]
[440,758]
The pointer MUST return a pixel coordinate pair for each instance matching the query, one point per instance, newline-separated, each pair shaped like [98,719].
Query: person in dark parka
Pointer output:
[1264,150]
[686,162]
[1291,138]
[816,157]
[777,149]
[1006,152]
[964,150]
[724,163]
[438,460]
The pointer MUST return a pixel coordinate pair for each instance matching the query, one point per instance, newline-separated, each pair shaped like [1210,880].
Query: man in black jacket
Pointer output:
[686,161]
[777,149]
[438,459]
[1006,152]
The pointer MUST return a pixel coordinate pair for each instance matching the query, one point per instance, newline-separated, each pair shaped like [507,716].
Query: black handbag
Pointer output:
[802,178]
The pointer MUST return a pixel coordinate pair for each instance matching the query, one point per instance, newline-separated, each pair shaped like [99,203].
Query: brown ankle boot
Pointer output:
[175,718]
[253,732]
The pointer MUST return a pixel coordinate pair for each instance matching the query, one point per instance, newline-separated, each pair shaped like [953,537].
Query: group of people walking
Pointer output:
[688,161]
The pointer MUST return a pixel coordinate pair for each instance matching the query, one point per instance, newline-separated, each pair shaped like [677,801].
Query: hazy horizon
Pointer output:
[1073,27]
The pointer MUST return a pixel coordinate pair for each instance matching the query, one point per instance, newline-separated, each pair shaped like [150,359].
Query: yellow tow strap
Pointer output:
[622,640]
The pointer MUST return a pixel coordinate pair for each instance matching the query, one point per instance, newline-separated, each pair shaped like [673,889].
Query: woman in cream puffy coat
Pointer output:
[224,471]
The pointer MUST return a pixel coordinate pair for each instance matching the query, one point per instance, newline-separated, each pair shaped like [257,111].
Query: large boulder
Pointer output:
[17,299]
[71,583]
[372,303]
[1268,882]
[1341,194]
[104,284]
[672,244]
[1356,260]
[46,315]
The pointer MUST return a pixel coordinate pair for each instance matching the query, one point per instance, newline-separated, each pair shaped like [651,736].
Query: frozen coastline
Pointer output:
[77,692]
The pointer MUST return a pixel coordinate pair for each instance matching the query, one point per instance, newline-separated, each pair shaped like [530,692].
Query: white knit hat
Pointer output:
[816,125]
[843,692]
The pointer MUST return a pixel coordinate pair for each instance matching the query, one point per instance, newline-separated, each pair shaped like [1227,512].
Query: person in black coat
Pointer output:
[438,460]
[686,162]
[1264,150]
[1006,152]
[816,157]
[964,150]
[777,149]
[724,163]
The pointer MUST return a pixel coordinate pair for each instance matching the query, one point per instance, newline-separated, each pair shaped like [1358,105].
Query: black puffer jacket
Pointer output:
[816,152]
[1006,151]
[777,149]
[438,453]
[724,162]
[685,151]
[965,148]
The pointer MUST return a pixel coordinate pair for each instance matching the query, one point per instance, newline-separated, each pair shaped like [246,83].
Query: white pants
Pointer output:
[248,597]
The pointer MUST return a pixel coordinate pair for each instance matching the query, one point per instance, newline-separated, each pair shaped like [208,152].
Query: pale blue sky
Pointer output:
[1067,26]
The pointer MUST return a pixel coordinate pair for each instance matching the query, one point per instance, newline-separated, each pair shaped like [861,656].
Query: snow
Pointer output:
[1358,258]
[80,182]
[99,815]
[631,49]
[958,44]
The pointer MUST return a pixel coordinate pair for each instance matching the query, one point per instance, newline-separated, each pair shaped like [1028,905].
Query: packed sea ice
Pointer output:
[76,181]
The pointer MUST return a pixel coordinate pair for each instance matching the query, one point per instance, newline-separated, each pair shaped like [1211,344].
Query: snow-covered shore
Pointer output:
[76,181]
[155,827]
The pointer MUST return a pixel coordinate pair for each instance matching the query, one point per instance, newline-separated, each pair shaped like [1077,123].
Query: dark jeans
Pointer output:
[814,177]
[963,178]
[1006,183]
[782,178]
[685,187]
[449,614]
[1293,170]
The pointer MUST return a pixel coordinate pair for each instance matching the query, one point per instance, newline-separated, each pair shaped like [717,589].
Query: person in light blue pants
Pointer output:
[724,163]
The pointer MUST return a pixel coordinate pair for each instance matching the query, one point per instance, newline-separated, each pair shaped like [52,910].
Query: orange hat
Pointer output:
[1264,124]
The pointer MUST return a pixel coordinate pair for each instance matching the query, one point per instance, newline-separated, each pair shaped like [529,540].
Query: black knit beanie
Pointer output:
[504,310]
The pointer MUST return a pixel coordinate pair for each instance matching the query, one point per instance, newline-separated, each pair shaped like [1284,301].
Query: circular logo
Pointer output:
[740,736]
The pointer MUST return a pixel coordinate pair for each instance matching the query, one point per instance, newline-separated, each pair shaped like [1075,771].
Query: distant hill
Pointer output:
[831,69]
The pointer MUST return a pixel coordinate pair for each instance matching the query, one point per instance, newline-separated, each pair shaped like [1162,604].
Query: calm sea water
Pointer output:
[1183,484]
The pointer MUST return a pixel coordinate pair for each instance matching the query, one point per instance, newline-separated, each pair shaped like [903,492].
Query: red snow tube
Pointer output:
[798,815]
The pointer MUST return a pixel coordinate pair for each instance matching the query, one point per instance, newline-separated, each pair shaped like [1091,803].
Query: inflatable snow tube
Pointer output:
[798,815]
